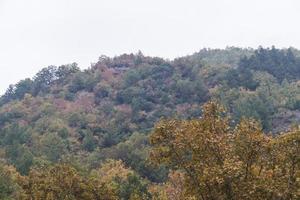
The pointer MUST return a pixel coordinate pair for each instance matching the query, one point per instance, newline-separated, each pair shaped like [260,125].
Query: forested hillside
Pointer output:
[88,130]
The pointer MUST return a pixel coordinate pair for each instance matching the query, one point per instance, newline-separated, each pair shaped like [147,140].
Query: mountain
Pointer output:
[86,117]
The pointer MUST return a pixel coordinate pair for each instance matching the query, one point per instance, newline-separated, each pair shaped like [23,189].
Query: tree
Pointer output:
[52,146]
[199,147]
[61,182]
[284,165]
[89,142]
[19,156]
[23,87]
[43,80]
[223,162]
[8,95]
[8,186]
[66,70]
[82,81]
[124,181]
[14,139]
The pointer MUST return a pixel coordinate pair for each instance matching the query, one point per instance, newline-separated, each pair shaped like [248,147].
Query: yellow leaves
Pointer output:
[173,189]
[110,170]
[61,182]
[220,162]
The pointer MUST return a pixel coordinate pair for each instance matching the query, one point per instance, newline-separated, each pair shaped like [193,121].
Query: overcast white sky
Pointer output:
[39,33]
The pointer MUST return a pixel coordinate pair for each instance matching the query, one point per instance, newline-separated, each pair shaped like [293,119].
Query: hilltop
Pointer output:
[84,117]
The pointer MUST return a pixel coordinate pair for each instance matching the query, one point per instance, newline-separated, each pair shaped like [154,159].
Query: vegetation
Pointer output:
[84,134]
[218,161]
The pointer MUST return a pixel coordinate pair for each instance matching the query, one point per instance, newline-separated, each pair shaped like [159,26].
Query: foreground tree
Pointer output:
[219,161]
[8,185]
[121,180]
[61,182]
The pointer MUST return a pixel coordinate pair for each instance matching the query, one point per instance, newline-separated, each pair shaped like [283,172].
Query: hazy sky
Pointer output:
[39,33]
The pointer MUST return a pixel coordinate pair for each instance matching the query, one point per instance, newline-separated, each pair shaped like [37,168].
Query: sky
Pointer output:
[38,33]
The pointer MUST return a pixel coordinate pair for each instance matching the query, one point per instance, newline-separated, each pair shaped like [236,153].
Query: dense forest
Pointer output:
[218,124]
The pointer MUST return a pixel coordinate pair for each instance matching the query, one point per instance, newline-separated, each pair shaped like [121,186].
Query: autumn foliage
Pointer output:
[68,133]
[220,161]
